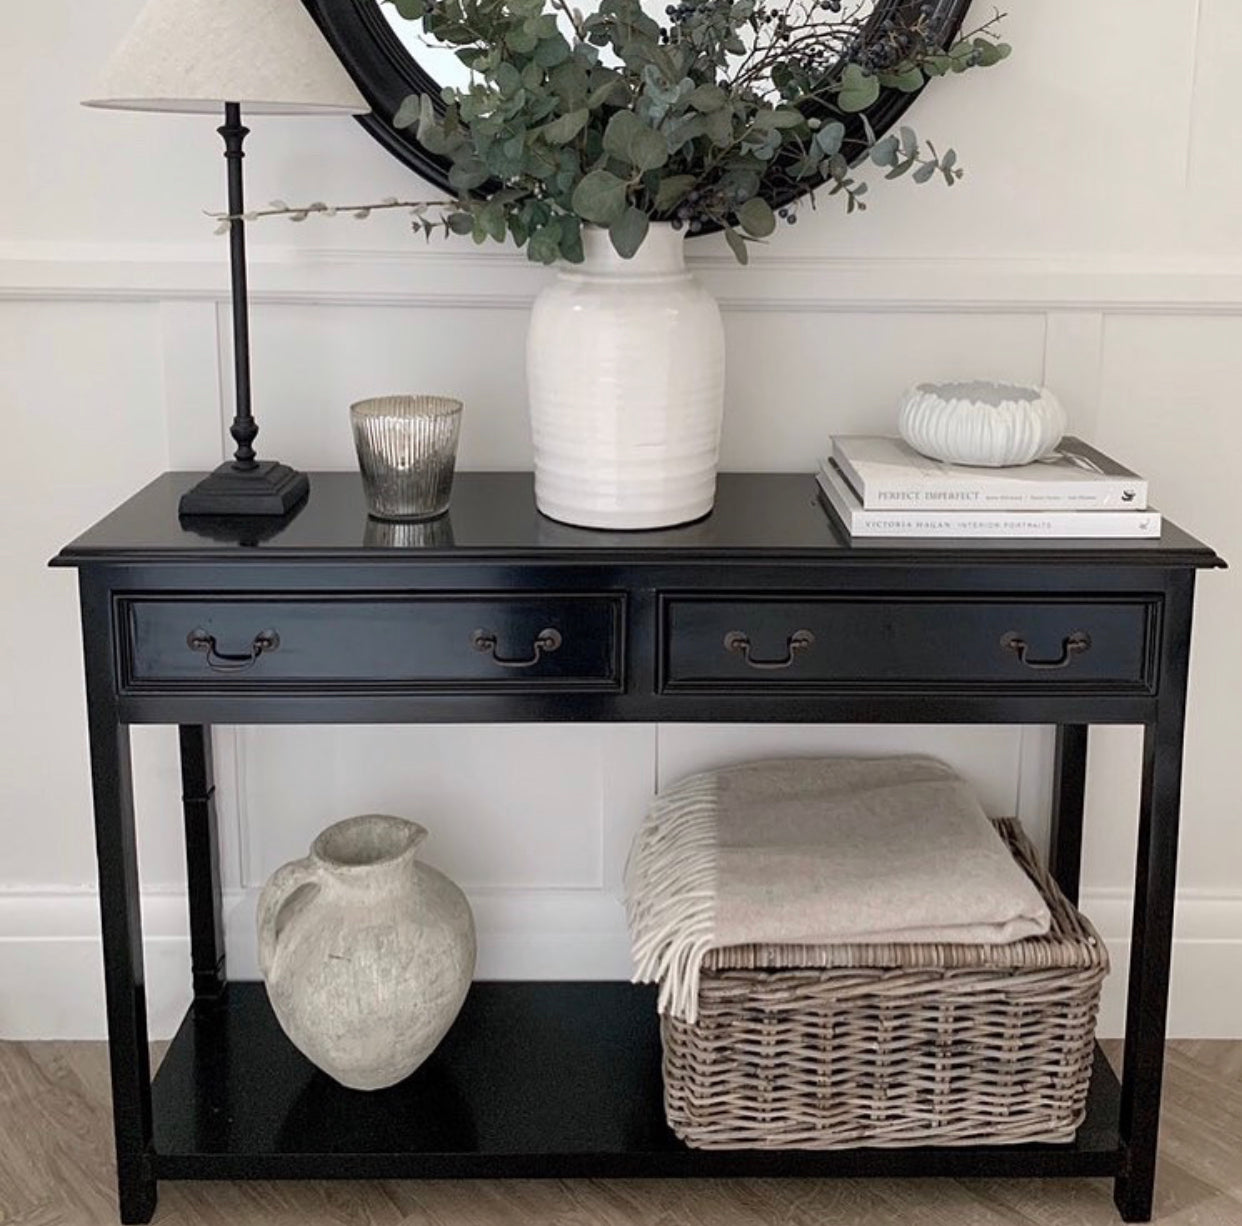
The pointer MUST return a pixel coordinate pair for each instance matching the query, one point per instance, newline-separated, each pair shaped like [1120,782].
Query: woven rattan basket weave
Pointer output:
[835,1046]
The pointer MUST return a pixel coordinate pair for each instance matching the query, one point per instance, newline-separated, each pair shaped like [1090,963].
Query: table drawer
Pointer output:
[876,642]
[485,641]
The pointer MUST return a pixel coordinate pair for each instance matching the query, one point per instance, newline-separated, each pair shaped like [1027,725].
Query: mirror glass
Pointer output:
[443,66]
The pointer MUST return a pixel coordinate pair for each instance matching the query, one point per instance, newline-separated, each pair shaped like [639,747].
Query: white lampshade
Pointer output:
[196,55]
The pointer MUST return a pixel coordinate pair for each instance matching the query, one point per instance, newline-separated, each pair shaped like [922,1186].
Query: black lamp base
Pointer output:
[269,488]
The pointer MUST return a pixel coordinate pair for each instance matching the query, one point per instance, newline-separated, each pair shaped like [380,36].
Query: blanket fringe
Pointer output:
[670,882]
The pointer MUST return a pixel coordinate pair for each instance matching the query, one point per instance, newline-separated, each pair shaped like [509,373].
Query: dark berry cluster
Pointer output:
[892,43]
[702,206]
[688,213]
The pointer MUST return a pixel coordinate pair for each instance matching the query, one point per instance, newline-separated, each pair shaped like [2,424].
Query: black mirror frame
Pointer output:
[386,73]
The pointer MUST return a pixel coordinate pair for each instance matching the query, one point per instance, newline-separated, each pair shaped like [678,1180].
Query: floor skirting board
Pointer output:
[49,953]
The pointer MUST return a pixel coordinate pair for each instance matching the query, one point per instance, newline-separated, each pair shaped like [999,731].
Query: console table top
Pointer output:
[771,516]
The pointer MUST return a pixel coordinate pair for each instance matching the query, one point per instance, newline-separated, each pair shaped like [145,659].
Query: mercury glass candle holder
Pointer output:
[407,450]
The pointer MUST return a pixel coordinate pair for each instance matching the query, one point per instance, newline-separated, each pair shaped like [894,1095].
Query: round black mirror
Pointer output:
[389,60]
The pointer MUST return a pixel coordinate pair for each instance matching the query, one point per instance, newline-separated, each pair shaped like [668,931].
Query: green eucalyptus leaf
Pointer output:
[743,183]
[626,137]
[768,120]
[885,152]
[757,217]
[408,113]
[545,241]
[563,129]
[677,132]
[454,32]
[506,78]
[628,231]
[859,89]
[925,172]
[719,126]
[672,190]
[521,40]
[830,138]
[543,248]
[909,81]
[460,223]
[430,132]
[552,51]
[492,219]
[707,97]
[411,10]
[468,174]
[569,83]
[600,197]
[612,90]
[571,240]
[988,53]
[737,244]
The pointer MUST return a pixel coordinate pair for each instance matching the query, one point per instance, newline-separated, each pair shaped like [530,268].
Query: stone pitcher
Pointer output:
[367,952]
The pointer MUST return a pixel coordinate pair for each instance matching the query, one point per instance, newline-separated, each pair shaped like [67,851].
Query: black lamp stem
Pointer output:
[244,429]
[244,485]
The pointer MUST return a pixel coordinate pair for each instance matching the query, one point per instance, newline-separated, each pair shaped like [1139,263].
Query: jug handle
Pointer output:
[274,904]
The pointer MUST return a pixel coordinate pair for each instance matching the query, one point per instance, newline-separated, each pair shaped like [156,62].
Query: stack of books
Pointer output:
[882,487]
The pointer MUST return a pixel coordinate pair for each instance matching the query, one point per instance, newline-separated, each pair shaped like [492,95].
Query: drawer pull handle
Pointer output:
[1072,645]
[223,661]
[739,643]
[547,642]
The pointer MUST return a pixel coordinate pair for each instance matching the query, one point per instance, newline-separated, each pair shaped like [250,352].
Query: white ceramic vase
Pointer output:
[989,425]
[367,953]
[625,364]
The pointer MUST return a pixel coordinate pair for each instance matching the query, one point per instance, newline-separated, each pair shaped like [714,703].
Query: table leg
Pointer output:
[1068,796]
[202,852]
[1151,947]
[123,963]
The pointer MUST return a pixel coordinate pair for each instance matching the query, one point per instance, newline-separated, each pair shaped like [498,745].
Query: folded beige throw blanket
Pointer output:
[815,852]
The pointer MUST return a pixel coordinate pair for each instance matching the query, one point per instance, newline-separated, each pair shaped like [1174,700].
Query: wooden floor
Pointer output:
[56,1167]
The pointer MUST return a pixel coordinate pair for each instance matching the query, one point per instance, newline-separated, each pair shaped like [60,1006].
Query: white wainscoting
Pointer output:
[49,952]
[114,365]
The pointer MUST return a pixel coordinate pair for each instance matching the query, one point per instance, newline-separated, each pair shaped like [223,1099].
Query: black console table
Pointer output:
[760,612]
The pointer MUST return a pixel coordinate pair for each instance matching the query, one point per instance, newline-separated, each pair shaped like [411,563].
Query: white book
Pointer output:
[888,473]
[1029,525]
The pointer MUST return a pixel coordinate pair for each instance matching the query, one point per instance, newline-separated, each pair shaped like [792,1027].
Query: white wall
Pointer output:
[1093,244]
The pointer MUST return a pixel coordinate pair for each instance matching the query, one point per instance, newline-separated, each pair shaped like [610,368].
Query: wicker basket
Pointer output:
[830,1047]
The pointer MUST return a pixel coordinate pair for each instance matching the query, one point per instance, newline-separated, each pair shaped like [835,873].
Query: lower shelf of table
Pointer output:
[534,1080]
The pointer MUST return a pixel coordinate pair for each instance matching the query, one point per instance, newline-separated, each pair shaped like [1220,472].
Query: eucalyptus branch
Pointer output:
[572,17]
[296,212]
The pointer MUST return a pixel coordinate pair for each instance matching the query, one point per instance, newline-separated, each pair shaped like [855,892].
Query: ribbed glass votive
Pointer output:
[407,450]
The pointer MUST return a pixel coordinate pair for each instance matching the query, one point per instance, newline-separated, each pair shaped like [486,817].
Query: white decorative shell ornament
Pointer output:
[989,425]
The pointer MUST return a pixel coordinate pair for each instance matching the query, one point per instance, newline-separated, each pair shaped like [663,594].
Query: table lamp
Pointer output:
[201,57]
